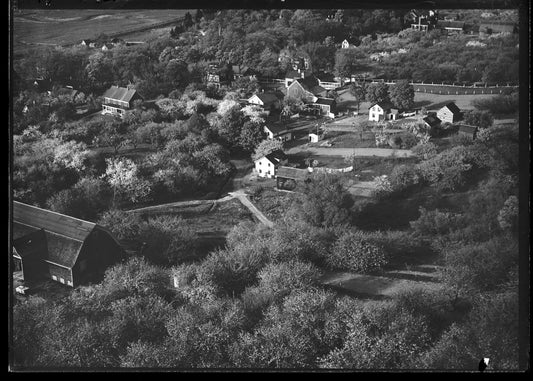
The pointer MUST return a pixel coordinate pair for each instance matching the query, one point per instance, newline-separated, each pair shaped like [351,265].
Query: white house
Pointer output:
[345,44]
[313,138]
[266,100]
[278,132]
[450,113]
[267,165]
[379,111]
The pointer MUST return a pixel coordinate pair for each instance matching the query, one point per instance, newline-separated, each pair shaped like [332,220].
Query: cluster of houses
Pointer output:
[427,19]
[107,45]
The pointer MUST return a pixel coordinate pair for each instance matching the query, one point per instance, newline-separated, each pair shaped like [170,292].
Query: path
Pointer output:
[361,152]
[239,194]
[246,202]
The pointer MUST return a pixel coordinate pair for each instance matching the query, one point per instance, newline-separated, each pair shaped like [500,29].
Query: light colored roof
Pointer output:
[120,93]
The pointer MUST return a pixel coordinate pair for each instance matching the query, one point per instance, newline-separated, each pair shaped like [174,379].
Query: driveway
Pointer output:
[362,152]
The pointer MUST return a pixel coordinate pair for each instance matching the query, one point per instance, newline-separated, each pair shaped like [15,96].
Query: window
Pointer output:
[373,116]
[269,164]
[62,280]
[54,277]
[259,171]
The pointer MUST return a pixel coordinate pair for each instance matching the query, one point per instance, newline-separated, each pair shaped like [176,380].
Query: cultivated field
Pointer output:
[68,26]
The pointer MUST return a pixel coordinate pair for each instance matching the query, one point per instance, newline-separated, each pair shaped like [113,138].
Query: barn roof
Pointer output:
[292,173]
[276,156]
[452,107]
[120,93]
[54,222]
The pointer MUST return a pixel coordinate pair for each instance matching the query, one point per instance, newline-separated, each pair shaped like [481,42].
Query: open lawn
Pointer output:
[68,26]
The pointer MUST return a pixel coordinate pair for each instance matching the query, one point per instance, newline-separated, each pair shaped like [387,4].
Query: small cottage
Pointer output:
[345,44]
[266,166]
[269,101]
[327,106]
[379,111]
[431,121]
[450,113]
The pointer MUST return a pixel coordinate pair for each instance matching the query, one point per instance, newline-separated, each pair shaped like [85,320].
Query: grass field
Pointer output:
[58,27]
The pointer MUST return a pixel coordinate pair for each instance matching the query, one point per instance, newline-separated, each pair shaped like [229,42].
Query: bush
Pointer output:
[403,177]
[425,151]
[354,252]
[435,222]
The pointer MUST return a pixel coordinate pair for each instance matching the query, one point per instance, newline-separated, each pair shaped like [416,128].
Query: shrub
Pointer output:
[355,253]
[425,151]
[435,222]
[404,176]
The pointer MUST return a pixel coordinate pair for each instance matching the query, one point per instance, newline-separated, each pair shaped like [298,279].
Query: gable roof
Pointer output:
[292,173]
[267,98]
[325,101]
[452,107]
[277,129]
[384,105]
[432,120]
[120,93]
[276,157]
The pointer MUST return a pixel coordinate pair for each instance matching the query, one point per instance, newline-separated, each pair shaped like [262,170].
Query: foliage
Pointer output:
[481,119]
[354,253]
[449,169]
[403,177]
[436,222]
[122,175]
[425,151]
[402,95]
[508,215]
[265,147]
[377,93]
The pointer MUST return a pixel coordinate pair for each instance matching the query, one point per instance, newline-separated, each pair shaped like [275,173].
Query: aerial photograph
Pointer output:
[319,190]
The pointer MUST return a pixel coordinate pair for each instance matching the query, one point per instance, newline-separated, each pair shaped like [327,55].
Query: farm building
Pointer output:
[65,249]
[468,131]
[327,106]
[267,165]
[268,101]
[276,131]
[306,89]
[449,113]
[431,121]
[288,177]
[380,111]
[117,100]
[452,26]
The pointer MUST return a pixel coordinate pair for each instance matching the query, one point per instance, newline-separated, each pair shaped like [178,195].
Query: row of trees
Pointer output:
[401,94]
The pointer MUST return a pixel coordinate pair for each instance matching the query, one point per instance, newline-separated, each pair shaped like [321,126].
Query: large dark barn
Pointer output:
[68,250]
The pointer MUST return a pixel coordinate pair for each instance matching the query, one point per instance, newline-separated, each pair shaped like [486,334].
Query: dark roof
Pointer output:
[276,156]
[316,90]
[467,129]
[293,74]
[277,129]
[325,77]
[267,98]
[452,107]
[431,120]
[64,234]
[384,105]
[292,173]
[29,243]
[68,91]
[325,101]
[451,24]
[242,70]
[120,93]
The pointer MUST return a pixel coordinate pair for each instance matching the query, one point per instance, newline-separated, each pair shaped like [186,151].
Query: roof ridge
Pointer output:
[52,212]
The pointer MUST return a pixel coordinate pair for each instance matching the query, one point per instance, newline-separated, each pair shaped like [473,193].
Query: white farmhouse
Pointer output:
[266,166]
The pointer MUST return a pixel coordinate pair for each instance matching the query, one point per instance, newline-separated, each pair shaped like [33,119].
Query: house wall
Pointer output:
[255,101]
[59,274]
[295,90]
[106,109]
[285,137]
[446,116]
[374,113]
[265,168]
[329,85]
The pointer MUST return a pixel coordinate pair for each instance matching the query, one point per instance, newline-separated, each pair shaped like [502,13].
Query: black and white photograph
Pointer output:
[268,187]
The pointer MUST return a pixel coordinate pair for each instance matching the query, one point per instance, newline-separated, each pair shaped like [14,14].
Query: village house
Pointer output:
[345,44]
[327,81]
[107,46]
[382,111]
[268,101]
[50,245]
[431,120]
[451,26]
[118,100]
[468,131]
[307,89]
[326,106]
[216,76]
[243,71]
[278,131]
[266,166]
[287,177]
[450,113]
[421,19]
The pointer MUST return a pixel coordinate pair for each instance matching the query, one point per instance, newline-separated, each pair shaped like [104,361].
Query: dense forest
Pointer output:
[258,301]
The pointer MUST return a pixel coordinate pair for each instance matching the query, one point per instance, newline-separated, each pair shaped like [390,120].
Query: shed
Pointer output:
[288,177]
[68,250]
[468,131]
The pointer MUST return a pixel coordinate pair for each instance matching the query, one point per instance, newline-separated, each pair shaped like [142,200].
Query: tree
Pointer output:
[353,252]
[113,134]
[481,119]
[358,92]
[326,202]
[508,215]
[346,62]
[122,175]
[265,147]
[377,92]
[251,136]
[402,95]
